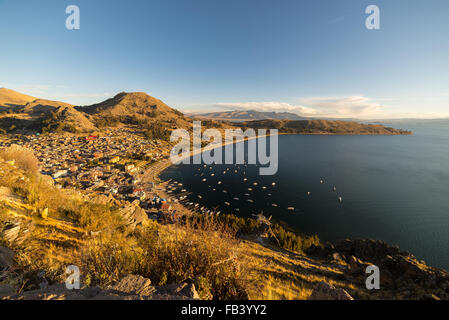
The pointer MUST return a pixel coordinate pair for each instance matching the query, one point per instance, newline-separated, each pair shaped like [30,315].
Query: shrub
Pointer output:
[201,251]
[24,158]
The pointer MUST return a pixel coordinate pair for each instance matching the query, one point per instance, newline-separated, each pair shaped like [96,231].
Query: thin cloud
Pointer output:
[338,107]
[267,107]
[352,106]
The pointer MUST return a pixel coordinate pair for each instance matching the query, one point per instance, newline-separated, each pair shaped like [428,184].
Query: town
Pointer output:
[109,167]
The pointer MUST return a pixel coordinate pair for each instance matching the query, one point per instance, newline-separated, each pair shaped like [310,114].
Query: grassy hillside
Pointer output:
[9,99]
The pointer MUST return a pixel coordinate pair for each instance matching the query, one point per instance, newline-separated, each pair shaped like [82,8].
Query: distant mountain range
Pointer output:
[249,115]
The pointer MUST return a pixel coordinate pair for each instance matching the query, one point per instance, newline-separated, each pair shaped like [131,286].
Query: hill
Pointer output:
[21,113]
[136,108]
[42,106]
[10,99]
[249,115]
[323,127]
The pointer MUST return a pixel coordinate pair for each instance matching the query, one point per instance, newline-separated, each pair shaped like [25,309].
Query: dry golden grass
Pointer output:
[203,253]
[24,158]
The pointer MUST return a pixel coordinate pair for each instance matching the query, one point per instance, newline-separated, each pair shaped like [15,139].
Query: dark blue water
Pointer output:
[394,188]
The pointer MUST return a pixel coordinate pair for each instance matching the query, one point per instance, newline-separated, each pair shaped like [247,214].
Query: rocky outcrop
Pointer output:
[131,287]
[326,291]
[400,271]
[6,258]
[133,215]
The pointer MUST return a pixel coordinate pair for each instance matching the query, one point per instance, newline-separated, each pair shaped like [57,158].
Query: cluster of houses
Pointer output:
[108,164]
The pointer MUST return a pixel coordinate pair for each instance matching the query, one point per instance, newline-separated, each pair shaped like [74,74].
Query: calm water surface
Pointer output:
[394,188]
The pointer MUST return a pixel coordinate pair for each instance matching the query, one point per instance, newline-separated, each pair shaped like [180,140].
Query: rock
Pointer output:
[326,291]
[7,290]
[338,258]
[60,174]
[133,215]
[367,250]
[183,289]
[6,258]
[133,285]
[357,266]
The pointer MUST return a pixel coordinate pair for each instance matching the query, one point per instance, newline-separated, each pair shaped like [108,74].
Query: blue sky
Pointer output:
[312,57]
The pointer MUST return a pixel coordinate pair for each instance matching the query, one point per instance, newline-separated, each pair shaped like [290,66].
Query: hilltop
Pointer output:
[323,127]
[136,108]
[10,99]
[249,115]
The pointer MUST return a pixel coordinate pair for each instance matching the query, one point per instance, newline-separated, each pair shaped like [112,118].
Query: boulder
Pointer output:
[6,258]
[133,215]
[183,289]
[133,285]
[326,291]
[6,290]
[357,266]
[338,258]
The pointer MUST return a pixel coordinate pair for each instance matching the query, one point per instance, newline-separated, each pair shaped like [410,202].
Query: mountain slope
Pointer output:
[137,108]
[67,118]
[10,98]
[40,106]
[249,115]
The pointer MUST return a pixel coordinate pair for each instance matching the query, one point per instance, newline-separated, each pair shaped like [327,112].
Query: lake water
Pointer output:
[394,188]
